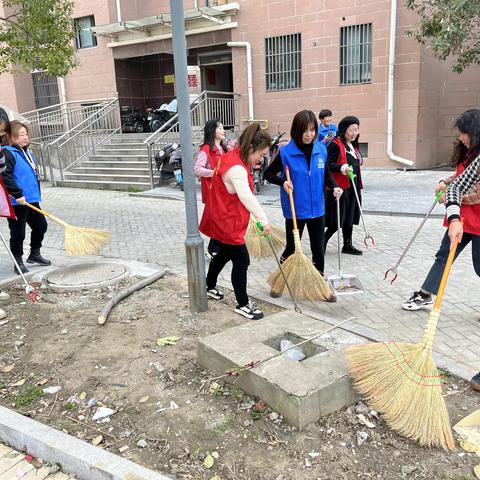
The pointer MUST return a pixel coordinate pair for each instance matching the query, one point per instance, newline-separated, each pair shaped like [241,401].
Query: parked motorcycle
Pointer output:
[157,117]
[162,161]
[259,170]
[132,120]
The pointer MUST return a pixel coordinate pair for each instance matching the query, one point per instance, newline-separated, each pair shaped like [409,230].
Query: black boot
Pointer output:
[22,266]
[349,249]
[35,257]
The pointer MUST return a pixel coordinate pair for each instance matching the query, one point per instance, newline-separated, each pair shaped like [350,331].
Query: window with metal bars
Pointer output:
[45,89]
[356,54]
[283,62]
[85,37]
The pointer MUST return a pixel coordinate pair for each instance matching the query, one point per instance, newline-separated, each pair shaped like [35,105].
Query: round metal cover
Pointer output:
[87,275]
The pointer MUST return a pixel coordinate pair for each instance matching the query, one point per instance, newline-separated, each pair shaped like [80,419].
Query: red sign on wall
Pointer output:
[192,80]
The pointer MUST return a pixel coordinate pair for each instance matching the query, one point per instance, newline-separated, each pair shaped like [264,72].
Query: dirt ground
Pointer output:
[163,419]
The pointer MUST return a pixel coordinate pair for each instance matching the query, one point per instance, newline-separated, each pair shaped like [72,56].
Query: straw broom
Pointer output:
[79,240]
[256,243]
[305,280]
[401,381]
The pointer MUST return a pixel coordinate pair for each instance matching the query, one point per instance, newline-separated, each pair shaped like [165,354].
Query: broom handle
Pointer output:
[443,282]
[292,204]
[431,327]
[51,217]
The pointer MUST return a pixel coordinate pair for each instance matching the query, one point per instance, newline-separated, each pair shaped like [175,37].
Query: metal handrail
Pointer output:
[85,122]
[63,104]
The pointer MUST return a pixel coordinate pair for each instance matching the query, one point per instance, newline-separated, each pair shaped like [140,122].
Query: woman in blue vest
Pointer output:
[21,180]
[306,160]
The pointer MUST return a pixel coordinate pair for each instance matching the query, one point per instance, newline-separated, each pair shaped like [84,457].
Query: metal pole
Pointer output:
[193,243]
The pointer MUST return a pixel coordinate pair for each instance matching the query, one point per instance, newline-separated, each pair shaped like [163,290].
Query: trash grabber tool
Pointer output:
[269,240]
[30,291]
[393,269]
[367,235]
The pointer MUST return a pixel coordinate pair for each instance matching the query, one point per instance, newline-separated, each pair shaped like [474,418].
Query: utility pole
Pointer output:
[193,243]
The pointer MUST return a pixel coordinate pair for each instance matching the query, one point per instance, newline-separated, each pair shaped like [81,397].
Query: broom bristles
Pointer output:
[401,381]
[84,241]
[257,245]
[305,281]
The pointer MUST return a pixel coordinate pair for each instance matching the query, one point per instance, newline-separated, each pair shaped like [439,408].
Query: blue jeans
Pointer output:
[432,282]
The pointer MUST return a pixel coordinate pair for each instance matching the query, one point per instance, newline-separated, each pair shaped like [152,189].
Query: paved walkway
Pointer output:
[13,466]
[153,230]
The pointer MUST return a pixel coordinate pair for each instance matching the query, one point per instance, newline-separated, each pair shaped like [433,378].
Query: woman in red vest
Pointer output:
[211,151]
[343,156]
[227,212]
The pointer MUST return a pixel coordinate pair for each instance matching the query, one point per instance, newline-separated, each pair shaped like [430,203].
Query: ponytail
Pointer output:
[253,138]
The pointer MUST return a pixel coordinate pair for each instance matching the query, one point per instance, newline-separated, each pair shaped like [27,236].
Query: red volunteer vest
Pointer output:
[213,159]
[343,181]
[469,213]
[225,218]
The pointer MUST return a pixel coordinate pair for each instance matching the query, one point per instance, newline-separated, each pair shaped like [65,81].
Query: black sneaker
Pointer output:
[417,301]
[249,311]
[351,250]
[215,293]
[475,382]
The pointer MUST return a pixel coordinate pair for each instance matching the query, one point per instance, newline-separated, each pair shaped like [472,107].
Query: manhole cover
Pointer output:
[87,275]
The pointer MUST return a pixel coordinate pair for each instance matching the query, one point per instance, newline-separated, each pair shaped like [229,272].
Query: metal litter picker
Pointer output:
[342,283]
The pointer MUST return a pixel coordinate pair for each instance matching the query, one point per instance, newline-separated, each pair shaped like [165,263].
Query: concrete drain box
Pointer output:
[302,391]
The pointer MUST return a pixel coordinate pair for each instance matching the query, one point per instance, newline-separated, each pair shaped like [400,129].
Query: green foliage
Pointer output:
[37,35]
[449,27]
[28,395]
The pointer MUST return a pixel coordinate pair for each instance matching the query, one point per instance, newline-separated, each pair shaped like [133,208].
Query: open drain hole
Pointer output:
[308,349]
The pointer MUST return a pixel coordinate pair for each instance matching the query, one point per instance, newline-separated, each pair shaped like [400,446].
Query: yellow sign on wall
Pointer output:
[169,78]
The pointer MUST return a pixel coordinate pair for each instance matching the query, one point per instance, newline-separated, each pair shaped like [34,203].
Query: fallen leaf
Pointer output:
[43,381]
[18,384]
[215,455]
[97,440]
[172,340]
[8,368]
[215,477]
[144,399]
[476,471]
[469,447]
[83,396]
[38,463]
[209,461]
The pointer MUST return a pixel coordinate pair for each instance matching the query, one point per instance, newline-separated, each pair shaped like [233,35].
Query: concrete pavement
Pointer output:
[153,230]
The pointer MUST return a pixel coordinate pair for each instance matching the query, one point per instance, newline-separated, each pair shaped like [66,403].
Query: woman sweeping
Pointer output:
[211,151]
[21,180]
[227,213]
[344,156]
[305,159]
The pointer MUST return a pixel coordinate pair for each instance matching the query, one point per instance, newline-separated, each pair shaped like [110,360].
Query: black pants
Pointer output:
[432,282]
[346,233]
[316,230]
[238,255]
[26,216]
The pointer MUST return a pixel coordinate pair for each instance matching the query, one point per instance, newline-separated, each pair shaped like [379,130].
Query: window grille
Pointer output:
[85,37]
[45,89]
[356,54]
[283,62]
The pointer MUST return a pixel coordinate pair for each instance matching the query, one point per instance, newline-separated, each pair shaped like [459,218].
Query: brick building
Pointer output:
[304,54]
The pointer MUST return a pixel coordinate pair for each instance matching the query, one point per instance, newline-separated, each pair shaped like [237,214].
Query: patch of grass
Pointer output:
[223,427]
[3,351]
[28,395]
[133,189]
[71,407]
[2,386]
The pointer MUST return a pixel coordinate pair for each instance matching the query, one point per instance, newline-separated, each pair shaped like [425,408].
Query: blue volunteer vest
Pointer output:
[308,185]
[24,176]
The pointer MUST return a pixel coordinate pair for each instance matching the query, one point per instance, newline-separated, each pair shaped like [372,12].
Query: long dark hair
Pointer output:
[300,124]
[4,119]
[209,131]
[469,123]
[253,138]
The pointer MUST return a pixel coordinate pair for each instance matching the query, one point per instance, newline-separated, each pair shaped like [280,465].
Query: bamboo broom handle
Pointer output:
[446,272]
[292,203]
[51,217]
[431,327]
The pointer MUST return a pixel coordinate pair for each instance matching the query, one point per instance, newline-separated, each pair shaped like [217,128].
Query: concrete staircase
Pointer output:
[119,164]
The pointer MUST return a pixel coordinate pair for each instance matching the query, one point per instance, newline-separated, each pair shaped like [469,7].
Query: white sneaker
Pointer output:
[215,293]
[249,311]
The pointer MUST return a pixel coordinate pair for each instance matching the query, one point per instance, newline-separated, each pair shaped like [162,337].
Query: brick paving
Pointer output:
[153,230]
